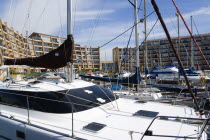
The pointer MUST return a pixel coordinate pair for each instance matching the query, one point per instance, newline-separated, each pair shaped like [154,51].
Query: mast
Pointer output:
[175,52]
[69,32]
[145,37]
[178,31]
[69,17]
[179,49]
[191,45]
[193,38]
[136,41]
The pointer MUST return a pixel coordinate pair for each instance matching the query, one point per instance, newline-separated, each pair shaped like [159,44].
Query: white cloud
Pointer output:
[47,16]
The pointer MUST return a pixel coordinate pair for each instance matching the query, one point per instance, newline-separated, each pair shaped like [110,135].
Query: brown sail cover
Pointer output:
[56,58]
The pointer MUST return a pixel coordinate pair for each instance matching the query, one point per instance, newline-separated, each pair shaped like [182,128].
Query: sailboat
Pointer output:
[55,109]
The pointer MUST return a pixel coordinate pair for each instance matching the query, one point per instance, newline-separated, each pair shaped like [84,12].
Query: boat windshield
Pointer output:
[58,102]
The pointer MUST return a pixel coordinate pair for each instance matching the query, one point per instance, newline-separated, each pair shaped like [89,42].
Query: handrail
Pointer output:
[178,96]
[55,100]
[186,137]
[58,101]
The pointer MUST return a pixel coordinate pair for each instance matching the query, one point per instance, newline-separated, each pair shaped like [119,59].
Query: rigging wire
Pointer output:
[38,19]
[61,25]
[10,7]
[75,13]
[182,43]
[144,40]
[125,53]
[95,24]
[124,31]
[195,26]
[13,16]
[27,16]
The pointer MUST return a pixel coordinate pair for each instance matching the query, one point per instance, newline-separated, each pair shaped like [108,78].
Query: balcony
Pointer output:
[48,44]
[36,38]
[47,49]
[55,46]
[38,43]
[95,49]
[39,49]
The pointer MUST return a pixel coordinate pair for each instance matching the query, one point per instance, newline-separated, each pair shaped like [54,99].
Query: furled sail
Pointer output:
[56,58]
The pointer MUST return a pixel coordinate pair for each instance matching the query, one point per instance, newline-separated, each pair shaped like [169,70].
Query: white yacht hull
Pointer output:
[118,116]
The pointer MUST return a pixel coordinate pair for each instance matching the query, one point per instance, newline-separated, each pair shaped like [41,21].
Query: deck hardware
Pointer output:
[94,127]
[20,134]
[148,133]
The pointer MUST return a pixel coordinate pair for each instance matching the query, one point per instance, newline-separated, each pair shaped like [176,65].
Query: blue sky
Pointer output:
[98,21]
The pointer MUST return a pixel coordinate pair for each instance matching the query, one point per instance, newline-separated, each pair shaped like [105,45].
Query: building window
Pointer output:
[37,43]
[55,46]
[54,40]
[95,57]
[39,54]
[206,38]
[38,48]
[47,44]
[36,38]
[44,38]
[47,49]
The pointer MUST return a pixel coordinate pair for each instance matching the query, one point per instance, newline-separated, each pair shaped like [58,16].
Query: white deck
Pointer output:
[117,116]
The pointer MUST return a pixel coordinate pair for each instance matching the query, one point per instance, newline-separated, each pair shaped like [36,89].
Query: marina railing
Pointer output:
[199,136]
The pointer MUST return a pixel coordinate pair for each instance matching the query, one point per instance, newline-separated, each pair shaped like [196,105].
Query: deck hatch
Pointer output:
[94,127]
[141,101]
[145,113]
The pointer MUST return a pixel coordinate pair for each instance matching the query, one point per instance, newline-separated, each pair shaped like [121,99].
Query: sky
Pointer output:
[98,21]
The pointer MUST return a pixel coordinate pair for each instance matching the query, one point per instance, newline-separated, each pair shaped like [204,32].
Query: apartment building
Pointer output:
[124,58]
[108,66]
[161,54]
[15,45]
[87,58]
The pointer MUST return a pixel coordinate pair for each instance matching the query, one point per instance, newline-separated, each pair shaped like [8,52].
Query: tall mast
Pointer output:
[69,32]
[178,31]
[145,38]
[191,45]
[69,17]
[179,45]
[136,40]
[174,50]
[193,38]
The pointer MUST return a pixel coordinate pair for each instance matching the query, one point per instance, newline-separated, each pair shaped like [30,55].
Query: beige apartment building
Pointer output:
[125,59]
[161,54]
[15,45]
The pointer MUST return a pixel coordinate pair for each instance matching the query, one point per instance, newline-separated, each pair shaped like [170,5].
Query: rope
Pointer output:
[204,58]
[27,15]
[95,23]
[130,34]
[75,11]
[123,32]
[144,39]
[13,16]
[188,56]
[59,12]
[38,19]
[195,26]
[10,7]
